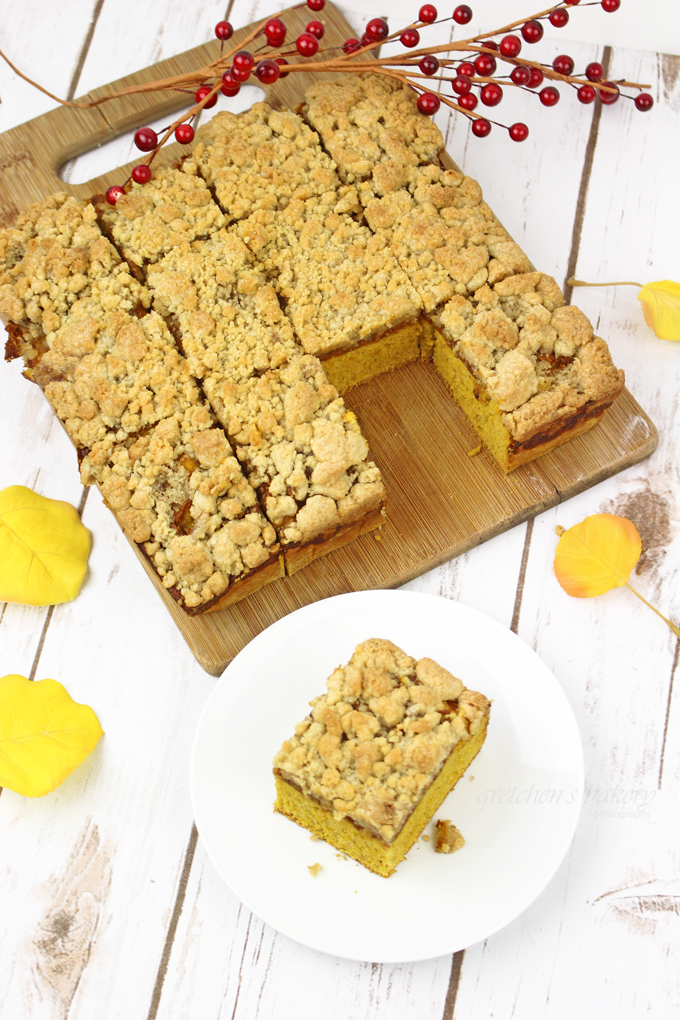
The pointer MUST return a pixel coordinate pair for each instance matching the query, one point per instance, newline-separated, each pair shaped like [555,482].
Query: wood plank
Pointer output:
[619,887]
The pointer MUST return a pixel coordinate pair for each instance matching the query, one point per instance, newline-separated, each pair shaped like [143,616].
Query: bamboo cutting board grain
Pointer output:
[441,501]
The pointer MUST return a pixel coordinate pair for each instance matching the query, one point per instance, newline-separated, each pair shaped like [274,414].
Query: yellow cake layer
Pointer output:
[482,412]
[360,844]
[392,350]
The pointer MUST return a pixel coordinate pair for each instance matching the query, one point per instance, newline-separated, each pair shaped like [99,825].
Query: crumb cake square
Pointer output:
[304,454]
[370,765]
[178,491]
[364,120]
[174,207]
[262,160]
[526,369]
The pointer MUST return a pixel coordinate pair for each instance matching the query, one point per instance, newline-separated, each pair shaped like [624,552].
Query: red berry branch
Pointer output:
[468,66]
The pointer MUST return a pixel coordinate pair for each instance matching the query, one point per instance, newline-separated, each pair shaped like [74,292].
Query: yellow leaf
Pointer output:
[661,307]
[596,555]
[43,548]
[44,734]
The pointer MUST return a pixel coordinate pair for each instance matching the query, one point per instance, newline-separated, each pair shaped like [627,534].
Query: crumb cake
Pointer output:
[370,765]
[290,257]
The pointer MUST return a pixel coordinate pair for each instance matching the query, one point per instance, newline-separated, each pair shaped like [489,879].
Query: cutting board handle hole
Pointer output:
[121,150]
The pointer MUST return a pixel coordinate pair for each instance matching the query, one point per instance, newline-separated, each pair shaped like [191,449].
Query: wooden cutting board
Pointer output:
[441,501]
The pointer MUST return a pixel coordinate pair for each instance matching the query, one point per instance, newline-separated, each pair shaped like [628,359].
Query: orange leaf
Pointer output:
[596,555]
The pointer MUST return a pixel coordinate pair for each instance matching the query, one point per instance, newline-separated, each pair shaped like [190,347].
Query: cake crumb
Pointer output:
[475,451]
[314,869]
[471,778]
[377,537]
[559,531]
[314,839]
[449,839]
[426,838]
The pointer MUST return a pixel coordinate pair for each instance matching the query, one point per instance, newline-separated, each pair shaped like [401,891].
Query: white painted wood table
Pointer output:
[109,906]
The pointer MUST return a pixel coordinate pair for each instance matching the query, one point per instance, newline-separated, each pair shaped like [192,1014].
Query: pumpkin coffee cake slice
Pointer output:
[378,754]
[180,494]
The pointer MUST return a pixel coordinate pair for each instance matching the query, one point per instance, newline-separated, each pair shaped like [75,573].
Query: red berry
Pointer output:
[281,61]
[485,65]
[535,77]
[316,28]
[351,44]
[141,174]
[429,65]
[644,102]
[481,127]
[594,71]
[229,86]
[467,69]
[558,18]
[114,193]
[461,84]
[491,94]
[490,44]
[243,61]
[184,133]
[267,72]
[510,45]
[468,101]
[410,38]
[462,14]
[306,44]
[377,29]
[316,5]
[365,40]
[223,30]
[608,97]
[427,13]
[520,75]
[586,94]
[549,96]
[201,93]
[275,31]
[610,5]
[532,31]
[563,64]
[146,139]
[240,75]
[428,103]
[518,132]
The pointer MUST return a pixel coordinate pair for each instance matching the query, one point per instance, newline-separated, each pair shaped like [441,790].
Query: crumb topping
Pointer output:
[262,160]
[175,206]
[302,451]
[57,261]
[536,356]
[211,277]
[178,490]
[341,284]
[449,838]
[267,232]
[377,739]
[445,236]
[114,374]
[364,120]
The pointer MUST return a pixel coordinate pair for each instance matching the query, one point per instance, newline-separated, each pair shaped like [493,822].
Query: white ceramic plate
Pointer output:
[518,814]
